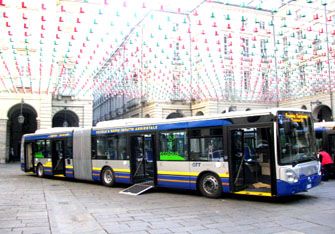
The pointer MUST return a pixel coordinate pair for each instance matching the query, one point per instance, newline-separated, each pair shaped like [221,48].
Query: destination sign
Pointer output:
[296,117]
[127,129]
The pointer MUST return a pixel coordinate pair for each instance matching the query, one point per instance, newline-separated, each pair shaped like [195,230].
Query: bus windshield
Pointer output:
[295,138]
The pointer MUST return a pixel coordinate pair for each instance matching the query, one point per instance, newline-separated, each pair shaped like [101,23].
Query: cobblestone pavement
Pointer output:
[29,204]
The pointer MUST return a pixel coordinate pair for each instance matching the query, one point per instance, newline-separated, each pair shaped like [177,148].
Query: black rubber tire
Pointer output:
[40,170]
[107,177]
[210,185]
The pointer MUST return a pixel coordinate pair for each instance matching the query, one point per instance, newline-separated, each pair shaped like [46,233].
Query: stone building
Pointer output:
[39,112]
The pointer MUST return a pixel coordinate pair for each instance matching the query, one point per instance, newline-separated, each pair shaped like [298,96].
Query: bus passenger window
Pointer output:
[122,148]
[206,149]
[39,148]
[94,147]
[68,148]
[173,146]
[101,148]
[47,150]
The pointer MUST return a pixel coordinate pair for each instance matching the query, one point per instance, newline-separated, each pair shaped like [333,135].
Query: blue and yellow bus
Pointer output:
[268,152]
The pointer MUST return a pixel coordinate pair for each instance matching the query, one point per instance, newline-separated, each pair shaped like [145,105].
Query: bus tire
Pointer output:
[107,177]
[40,170]
[210,185]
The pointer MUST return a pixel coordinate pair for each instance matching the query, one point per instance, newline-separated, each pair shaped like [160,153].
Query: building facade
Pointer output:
[25,113]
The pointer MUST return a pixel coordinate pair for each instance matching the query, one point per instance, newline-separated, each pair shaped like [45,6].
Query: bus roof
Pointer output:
[51,131]
[325,125]
[133,122]
[129,122]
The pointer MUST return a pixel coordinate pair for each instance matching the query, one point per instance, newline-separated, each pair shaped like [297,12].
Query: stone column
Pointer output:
[3,141]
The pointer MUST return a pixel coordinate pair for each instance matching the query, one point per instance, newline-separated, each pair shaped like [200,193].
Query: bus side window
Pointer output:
[122,148]
[47,150]
[173,146]
[38,149]
[68,148]
[94,147]
[101,146]
[206,149]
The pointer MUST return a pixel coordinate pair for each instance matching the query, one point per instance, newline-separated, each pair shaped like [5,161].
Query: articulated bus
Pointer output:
[325,137]
[267,152]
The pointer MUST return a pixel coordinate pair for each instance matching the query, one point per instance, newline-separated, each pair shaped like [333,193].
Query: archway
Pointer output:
[199,113]
[65,118]
[322,113]
[174,115]
[17,129]
[304,107]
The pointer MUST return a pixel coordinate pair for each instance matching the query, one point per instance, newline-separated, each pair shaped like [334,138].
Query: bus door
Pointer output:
[58,156]
[68,157]
[331,143]
[142,158]
[28,156]
[251,160]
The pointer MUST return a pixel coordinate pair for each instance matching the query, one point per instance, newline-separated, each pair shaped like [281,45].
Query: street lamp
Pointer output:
[65,123]
[20,118]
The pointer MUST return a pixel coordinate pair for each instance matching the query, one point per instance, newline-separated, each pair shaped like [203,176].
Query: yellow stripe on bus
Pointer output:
[114,169]
[182,173]
[224,175]
[254,193]
[59,175]
[47,164]
[69,167]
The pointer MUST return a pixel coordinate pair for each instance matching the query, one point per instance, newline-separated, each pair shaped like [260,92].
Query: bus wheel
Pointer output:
[107,177]
[210,186]
[40,170]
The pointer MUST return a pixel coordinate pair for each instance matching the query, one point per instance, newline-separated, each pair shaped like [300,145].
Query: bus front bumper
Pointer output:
[305,183]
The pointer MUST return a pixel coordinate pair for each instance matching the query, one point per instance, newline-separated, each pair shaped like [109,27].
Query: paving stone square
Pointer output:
[29,204]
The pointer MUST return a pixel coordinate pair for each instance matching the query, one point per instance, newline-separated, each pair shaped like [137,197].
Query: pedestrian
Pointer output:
[326,164]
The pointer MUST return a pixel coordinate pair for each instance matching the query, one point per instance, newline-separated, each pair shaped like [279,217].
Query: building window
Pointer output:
[265,86]
[263,48]
[285,45]
[225,44]
[261,24]
[302,75]
[319,66]
[245,47]
[246,80]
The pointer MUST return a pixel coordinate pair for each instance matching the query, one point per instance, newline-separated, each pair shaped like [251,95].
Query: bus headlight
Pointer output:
[291,176]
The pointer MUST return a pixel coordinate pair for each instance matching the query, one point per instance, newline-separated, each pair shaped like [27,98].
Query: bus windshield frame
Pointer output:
[296,141]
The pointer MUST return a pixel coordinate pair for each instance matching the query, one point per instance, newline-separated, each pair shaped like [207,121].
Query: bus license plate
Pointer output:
[309,186]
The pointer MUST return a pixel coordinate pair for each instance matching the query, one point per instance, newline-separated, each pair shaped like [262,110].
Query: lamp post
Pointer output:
[324,3]
[20,118]
[65,123]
